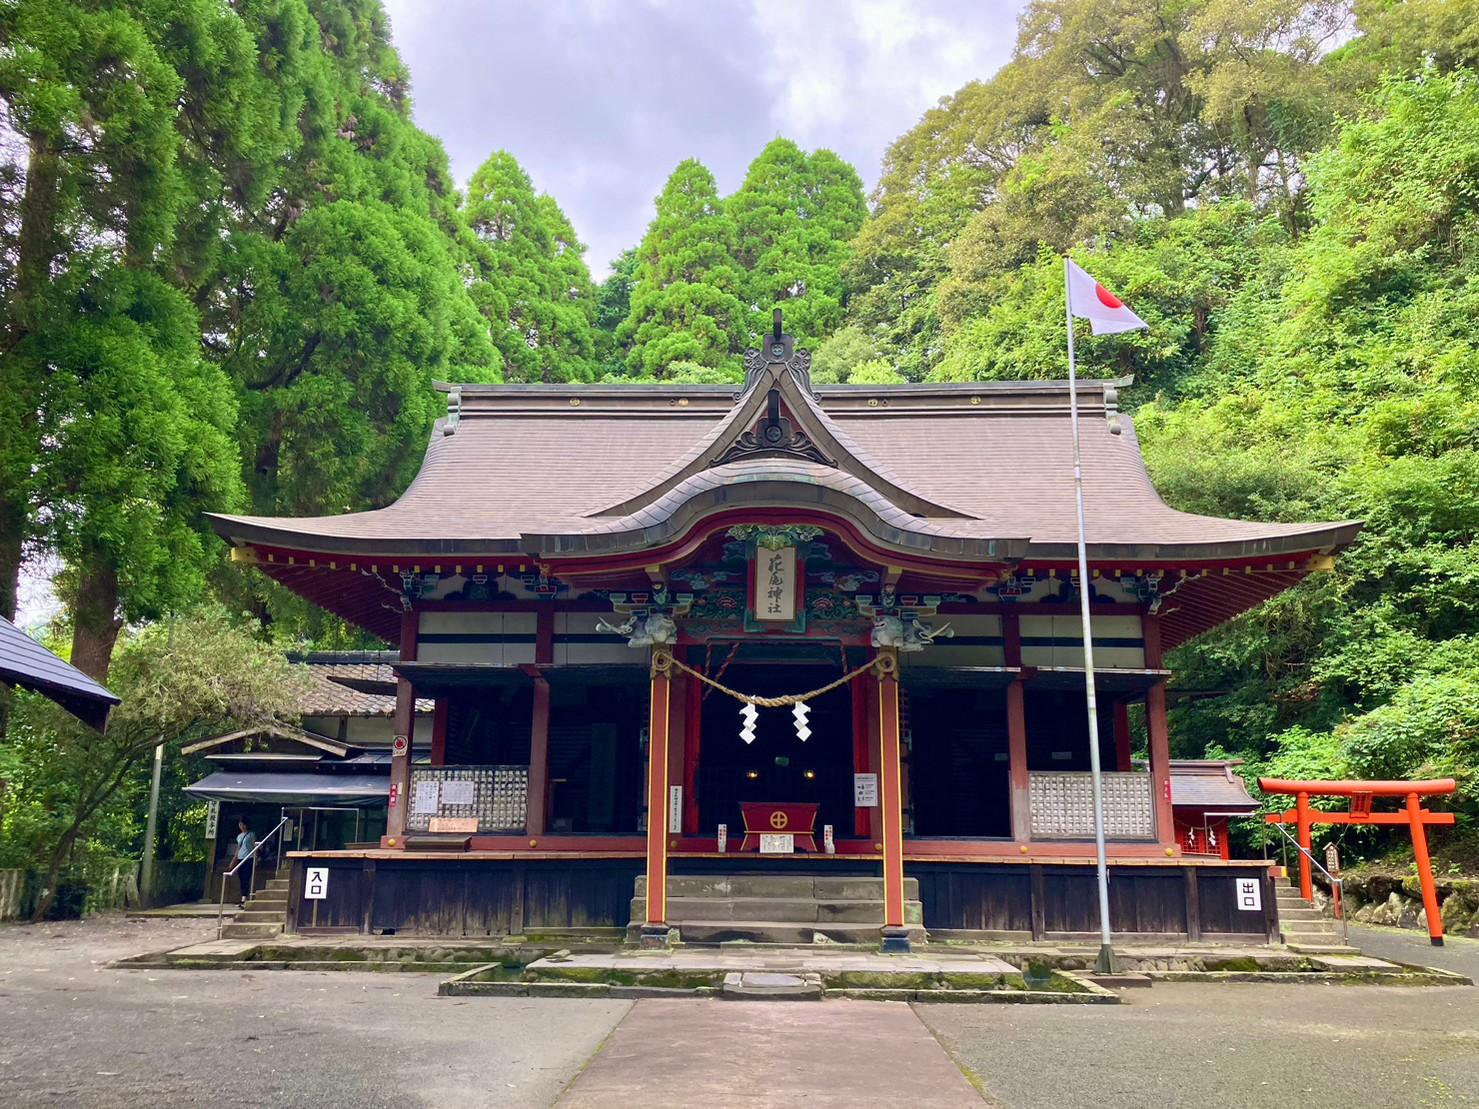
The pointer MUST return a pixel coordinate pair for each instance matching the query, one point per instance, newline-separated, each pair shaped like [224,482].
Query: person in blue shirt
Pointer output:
[246,839]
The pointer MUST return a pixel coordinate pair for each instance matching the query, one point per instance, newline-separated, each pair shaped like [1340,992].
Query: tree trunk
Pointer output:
[95,620]
[58,859]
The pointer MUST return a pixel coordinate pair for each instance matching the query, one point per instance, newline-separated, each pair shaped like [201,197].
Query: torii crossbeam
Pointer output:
[1362,794]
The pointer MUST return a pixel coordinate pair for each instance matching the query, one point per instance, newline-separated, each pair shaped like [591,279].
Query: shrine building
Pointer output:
[780,662]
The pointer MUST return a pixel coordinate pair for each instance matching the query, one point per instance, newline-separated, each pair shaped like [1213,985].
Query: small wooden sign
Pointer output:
[775,585]
[777,844]
[453,824]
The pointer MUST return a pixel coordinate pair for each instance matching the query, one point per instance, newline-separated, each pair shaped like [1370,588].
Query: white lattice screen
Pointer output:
[500,796]
[1062,805]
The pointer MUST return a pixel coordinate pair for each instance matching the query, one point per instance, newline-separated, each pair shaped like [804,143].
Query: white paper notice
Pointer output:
[426,797]
[777,844]
[675,808]
[457,793]
[865,790]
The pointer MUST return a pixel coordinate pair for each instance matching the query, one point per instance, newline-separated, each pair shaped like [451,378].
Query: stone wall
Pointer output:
[1396,900]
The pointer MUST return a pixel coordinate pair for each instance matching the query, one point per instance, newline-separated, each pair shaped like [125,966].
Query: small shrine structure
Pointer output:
[677,636]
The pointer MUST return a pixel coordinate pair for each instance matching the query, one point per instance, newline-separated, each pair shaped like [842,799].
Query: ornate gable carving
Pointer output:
[772,436]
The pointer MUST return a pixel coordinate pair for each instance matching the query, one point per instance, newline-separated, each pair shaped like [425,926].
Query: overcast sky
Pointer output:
[600,99]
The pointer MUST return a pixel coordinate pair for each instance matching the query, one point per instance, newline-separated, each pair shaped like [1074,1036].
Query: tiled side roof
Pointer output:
[26,663]
[1209,784]
[327,695]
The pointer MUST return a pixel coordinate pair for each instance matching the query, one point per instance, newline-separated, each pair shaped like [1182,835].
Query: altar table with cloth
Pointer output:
[796,818]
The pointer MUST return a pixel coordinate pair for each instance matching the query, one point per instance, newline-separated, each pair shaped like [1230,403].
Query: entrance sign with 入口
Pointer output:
[316,883]
[865,790]
[775,584]
[777,843]
[1250,894]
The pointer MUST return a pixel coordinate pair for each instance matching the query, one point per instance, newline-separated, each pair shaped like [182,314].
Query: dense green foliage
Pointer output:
[1297,225]
[72,793]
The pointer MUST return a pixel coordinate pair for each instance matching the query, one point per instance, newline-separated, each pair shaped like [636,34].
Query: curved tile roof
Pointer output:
[527,462]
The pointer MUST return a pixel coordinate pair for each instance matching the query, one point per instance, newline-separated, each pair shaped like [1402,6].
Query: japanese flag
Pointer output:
[1107,313]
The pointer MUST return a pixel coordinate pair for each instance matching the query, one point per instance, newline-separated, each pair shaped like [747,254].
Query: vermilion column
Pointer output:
[1425,869]
[891,800]
[1021,792]
[400,751]
[1306,841]
[537,797]
[1159,737]
[657,795]
[1123,755]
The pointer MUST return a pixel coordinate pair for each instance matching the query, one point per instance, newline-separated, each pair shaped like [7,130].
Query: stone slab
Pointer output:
[677,1054]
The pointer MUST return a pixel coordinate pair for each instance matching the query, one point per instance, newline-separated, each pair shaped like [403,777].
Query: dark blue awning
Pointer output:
[25,663]
[293,788]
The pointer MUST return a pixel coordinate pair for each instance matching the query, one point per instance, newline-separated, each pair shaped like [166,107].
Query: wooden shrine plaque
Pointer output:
[462,824]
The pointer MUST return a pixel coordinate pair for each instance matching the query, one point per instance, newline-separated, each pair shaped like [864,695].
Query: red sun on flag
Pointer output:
[1106,298]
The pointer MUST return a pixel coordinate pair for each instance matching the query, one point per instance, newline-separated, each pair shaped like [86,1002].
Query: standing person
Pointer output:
[246,839]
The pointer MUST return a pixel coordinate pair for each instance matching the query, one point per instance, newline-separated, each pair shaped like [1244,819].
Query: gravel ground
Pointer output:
[75,1033]
[1239,1046]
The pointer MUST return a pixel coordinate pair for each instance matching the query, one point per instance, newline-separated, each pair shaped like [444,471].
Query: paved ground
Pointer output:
[1225,1046]
[75,1033]
[1406,945]
[676,1054]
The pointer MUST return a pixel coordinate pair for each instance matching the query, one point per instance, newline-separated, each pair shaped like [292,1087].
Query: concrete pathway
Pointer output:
[1459,954]
[677,1054]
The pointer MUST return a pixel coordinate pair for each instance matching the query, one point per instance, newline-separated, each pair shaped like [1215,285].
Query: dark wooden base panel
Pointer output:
[1048,901]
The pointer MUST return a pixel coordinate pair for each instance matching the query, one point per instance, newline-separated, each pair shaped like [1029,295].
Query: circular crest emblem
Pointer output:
[399,745]
[779,819]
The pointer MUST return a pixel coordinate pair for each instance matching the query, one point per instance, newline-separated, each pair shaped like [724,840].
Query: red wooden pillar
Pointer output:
[1159,737]
[693,694]
[1306,868]
[439,713]
[401,745]
[858,689]
[537,798]
[1425,869]
[657,796]
[1122,752]
[891,800]
[1021,793]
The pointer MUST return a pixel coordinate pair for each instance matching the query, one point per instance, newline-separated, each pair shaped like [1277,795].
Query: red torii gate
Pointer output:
[1361,795]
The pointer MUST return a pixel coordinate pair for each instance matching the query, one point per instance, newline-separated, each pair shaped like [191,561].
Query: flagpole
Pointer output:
[1106,963]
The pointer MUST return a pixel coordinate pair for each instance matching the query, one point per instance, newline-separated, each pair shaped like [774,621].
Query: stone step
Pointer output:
[250,915]
[779,932]
[1322,949]
[753,985]
[778,886]
[250,931]
[799,910]
[1305,911]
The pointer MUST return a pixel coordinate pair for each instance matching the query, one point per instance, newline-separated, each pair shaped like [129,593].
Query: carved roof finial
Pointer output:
[779,348]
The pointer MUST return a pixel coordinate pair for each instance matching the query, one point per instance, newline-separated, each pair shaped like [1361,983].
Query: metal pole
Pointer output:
[1106,963]
[146,894]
